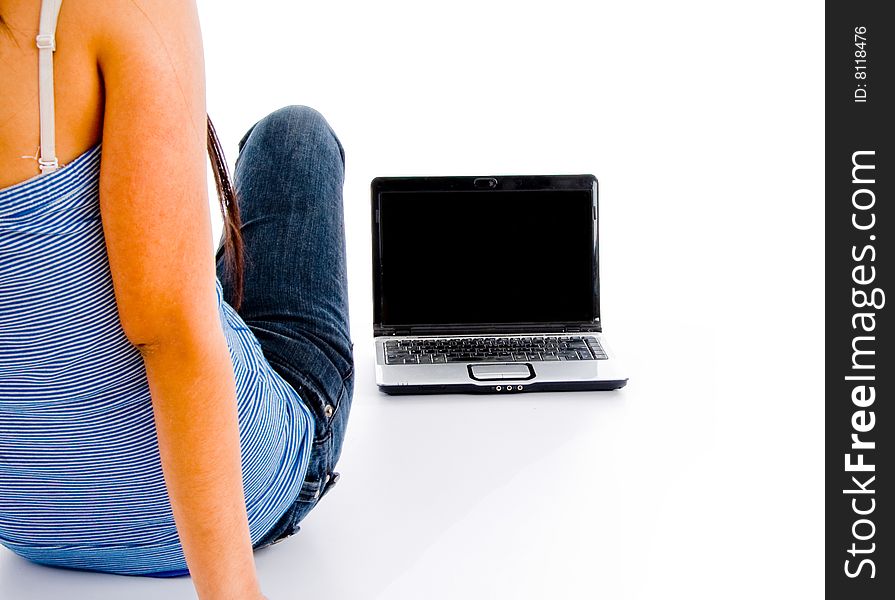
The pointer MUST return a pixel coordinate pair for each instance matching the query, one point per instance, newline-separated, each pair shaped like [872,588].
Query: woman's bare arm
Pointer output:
[156,218]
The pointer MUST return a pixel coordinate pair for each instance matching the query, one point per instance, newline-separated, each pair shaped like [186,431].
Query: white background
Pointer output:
[704,123]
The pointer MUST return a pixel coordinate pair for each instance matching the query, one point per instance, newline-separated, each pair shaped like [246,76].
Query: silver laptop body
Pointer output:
[488,285]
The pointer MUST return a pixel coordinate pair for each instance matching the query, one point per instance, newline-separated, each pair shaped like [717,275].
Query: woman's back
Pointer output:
[81,483]
[78,83]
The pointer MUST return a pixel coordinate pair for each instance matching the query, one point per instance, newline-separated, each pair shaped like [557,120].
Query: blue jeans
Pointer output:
[288,179]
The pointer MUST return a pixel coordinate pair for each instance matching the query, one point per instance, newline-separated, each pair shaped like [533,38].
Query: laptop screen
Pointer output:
[486,256]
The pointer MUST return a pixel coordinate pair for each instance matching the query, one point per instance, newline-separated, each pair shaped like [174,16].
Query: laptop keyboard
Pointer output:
[492,349]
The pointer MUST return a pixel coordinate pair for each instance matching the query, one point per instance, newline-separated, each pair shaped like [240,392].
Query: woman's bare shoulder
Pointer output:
[134,25]
[96,30]
[102,47]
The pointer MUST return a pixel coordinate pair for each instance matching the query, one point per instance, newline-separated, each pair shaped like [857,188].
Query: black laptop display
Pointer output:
[486,257]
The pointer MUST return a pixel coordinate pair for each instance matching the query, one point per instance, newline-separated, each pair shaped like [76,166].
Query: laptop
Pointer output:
[488,285]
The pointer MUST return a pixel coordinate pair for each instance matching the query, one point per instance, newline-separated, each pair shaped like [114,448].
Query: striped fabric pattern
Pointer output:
[81,484]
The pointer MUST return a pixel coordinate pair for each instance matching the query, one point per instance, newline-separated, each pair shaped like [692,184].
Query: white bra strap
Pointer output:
[46,43]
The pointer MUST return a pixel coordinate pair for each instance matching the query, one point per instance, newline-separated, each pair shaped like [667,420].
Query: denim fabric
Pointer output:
[288,179]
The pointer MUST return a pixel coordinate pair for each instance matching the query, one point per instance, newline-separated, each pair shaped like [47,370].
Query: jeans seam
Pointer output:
[274,358]
[304,386]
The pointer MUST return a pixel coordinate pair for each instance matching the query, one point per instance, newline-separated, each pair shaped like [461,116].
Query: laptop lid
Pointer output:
[494,254]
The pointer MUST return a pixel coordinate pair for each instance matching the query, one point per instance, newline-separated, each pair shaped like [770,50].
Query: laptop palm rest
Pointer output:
[492,372]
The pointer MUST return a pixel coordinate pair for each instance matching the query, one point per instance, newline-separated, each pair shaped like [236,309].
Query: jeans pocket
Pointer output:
[285,526]
[339,422]
[327,448]
[312,489]
[325,451]
[318,469]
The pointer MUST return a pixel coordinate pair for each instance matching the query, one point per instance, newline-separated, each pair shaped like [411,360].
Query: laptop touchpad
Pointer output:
[510,371]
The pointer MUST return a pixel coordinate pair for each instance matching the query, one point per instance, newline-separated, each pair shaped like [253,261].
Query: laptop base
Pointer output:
[505,388]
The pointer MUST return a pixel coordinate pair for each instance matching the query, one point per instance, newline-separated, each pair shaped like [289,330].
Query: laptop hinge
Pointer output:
[380,331]
[580,329]
[481,330]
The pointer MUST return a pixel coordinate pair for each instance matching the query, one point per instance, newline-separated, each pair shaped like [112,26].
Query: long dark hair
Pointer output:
[234,249]
[233,244]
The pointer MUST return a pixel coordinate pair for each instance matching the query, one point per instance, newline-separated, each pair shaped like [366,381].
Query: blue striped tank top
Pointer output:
[81,483]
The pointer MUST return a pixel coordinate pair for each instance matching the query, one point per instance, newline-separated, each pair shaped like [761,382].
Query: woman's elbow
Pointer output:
[150,330]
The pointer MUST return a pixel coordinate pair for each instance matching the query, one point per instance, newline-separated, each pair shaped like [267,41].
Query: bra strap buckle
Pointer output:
[46,41]
[48,166]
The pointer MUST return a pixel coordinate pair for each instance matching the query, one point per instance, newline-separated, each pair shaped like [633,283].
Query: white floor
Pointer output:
[640,493]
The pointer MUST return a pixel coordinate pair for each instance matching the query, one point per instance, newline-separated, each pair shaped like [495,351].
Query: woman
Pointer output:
[159,411]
